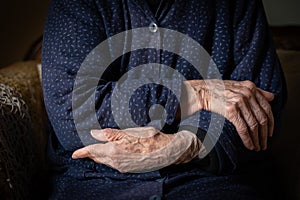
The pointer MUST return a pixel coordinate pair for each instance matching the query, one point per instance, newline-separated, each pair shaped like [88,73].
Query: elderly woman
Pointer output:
[171,161]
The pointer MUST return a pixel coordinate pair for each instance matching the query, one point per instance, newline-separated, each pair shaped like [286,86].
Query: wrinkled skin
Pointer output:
[144,149]
[127,152]
[242,103]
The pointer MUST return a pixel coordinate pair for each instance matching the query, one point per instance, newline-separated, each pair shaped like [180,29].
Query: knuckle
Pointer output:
[263,121]
[248,93]
[242,130]
[235,104]
[243,99]
[240,98]
[249,84]
[254,126]
[231,109]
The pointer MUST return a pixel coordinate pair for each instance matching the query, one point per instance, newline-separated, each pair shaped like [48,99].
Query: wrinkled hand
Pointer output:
[140,149]
[241,102]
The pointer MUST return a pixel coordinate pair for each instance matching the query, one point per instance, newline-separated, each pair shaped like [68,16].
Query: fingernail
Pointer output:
[74,156]
[95,132]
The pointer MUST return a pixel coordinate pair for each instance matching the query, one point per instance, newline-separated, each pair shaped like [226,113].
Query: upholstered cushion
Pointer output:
[22,132]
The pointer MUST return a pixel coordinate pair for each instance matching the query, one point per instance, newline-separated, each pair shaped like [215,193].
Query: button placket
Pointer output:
[153,27]
[156,40]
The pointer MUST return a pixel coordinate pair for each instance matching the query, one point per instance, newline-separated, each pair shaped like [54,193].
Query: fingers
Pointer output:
[103,135]
[233,114]
[254,111]
[268,95]
[263,98]
[263,119]
[141,132]
[241,112]
[95,152]
[184,148]
[269,119]
[109,134]
[259,126]
[99,135]
[84,152]
[100,153]
[105,154]
[247,115]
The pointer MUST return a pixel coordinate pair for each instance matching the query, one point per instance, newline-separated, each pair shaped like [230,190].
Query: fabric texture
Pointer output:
[22,133]
[236,36]
[14,119]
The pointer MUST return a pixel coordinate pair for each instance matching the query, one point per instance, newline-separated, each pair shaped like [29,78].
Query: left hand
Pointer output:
[140,149]
[246,106]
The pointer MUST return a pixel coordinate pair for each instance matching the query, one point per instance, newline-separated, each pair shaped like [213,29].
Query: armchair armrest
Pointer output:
[22,131]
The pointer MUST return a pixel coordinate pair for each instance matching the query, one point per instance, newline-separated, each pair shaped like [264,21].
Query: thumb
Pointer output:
[81,153]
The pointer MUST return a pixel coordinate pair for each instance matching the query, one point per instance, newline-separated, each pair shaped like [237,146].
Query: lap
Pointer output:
[179,186]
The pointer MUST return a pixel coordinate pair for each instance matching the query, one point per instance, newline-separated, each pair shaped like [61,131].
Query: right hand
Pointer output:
[141,149]
[241,102]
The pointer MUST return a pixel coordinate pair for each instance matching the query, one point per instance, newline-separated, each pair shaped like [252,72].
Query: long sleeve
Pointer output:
[254,58]
[73,29]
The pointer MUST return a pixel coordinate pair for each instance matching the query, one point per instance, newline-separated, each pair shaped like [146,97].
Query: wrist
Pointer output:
[194,147]
[189,101]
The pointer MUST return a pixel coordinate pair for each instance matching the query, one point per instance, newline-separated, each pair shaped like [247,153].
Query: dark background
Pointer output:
[21,23]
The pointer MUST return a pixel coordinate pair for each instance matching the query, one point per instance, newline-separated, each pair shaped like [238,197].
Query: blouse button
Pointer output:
[153,27]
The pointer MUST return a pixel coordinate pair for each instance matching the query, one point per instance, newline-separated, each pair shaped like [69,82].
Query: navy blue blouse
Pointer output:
[234,33]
